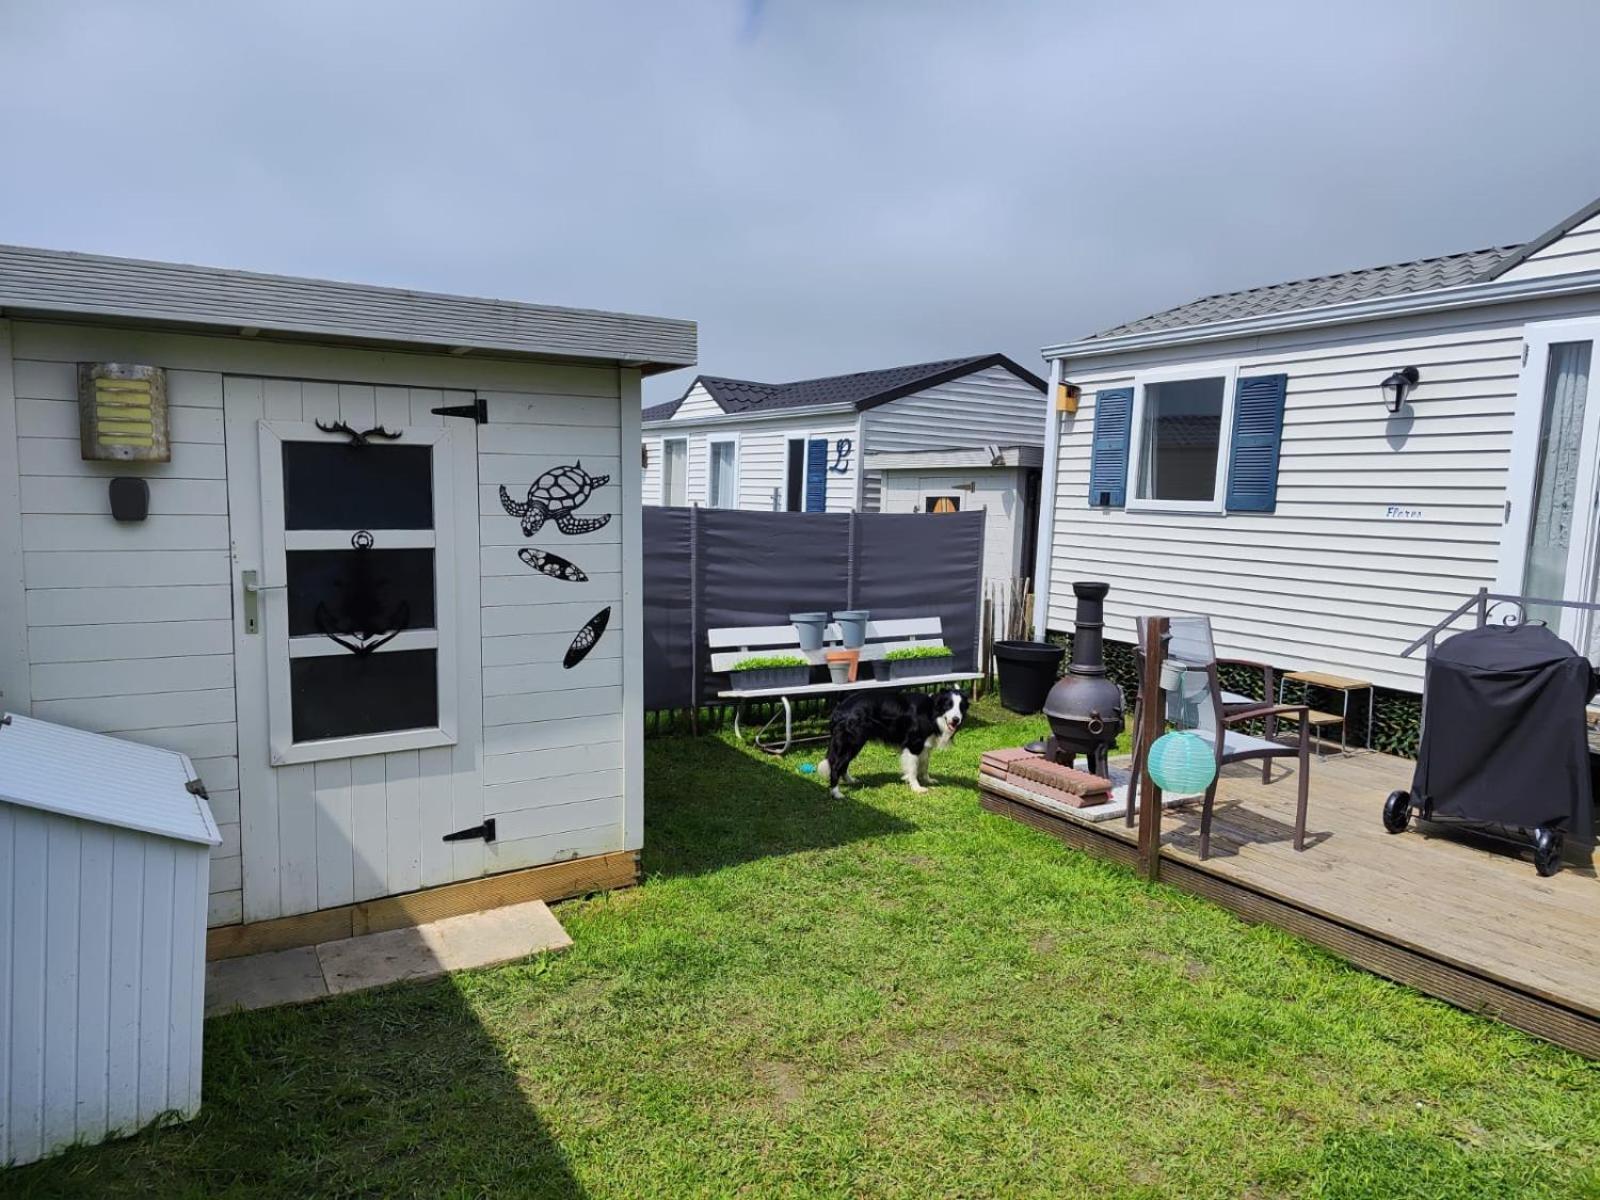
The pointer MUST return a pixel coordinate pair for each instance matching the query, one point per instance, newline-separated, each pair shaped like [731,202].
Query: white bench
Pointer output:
[732,645]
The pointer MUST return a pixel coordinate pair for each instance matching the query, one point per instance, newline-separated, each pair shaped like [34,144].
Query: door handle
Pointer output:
[250,581]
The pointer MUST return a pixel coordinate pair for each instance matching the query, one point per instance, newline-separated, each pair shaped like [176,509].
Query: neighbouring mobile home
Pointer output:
[934,437]
[1328,467]
[369,557]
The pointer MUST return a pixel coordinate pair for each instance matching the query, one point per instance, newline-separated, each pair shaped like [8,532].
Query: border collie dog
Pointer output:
[914,721]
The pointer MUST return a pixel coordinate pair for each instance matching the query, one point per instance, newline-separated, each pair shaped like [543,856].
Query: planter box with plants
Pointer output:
[769,671]
[910,661]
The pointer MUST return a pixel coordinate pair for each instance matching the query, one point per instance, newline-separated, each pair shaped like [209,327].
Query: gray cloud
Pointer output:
[824,185]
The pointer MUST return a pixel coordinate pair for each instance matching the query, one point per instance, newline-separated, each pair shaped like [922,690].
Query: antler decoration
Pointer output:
[358,437]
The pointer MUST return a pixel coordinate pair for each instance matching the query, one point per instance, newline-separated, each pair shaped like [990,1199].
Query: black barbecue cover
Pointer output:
[1504,738]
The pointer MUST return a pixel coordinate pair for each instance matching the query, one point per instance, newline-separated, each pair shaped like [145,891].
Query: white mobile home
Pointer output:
[369,557]
[933,437]
[1328,467]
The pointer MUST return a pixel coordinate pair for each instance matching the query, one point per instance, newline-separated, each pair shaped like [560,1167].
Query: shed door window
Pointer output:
[1180,439]
[674,477]
[722,485]
[944,504]
[355,665]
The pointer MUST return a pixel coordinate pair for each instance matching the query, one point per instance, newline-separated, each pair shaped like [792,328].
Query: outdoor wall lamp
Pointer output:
[1398,386]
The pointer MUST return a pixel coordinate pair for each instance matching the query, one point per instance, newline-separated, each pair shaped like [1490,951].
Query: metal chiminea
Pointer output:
[1085,708]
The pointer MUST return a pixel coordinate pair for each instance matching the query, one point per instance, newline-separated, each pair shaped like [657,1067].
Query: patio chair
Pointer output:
[1202,705]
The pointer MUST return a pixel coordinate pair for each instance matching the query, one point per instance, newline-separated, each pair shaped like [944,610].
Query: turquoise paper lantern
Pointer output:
[1182,763]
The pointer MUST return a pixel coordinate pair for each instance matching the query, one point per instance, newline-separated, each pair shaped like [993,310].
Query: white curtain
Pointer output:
[674,484]
[723,457]
[1555,487]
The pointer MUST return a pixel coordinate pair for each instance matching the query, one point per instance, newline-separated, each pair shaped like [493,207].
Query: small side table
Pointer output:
[1333,683]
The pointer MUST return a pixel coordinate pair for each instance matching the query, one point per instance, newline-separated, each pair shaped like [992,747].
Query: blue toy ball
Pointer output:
[808,768]
[1182,763]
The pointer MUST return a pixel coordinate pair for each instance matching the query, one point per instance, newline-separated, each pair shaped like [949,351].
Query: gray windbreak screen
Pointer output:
[716,568]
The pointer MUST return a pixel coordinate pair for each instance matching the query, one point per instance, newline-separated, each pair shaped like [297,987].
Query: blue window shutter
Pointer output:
[817,475]
[1257,434]
[1108,464]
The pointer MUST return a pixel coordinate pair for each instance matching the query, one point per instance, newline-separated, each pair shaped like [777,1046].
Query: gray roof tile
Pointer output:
[1396,280]
[862,390]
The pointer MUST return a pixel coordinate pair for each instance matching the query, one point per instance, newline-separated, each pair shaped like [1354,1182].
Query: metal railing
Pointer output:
[1484,602]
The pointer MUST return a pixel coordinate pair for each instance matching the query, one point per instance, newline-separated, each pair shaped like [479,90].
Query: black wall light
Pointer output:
[130,498]
[1398,386]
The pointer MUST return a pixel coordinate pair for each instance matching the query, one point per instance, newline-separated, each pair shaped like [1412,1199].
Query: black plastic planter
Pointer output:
[1028,670]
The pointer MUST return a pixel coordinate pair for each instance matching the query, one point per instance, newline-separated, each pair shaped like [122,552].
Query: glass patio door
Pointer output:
[1552,527]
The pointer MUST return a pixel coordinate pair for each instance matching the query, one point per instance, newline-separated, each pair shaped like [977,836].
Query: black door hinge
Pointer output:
[484,831]
[477,411]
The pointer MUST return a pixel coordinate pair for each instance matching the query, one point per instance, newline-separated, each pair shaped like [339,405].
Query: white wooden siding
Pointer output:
[872,492]
[554,739]
[696,404]
[650,475]
[1330,579]
[991,406]
[1576,250]
[102,968]
[126,622]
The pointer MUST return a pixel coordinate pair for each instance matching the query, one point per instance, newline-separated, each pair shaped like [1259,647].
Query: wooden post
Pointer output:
[1154,709]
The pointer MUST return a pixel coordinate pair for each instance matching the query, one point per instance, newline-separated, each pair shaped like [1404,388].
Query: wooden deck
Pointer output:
[1457,917]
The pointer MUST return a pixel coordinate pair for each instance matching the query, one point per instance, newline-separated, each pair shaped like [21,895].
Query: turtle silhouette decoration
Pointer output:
[553,497]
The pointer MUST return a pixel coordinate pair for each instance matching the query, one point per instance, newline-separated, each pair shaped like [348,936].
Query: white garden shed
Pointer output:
[105,852]
[368,556]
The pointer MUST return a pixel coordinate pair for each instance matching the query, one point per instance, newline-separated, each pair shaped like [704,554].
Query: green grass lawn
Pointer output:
[896,995]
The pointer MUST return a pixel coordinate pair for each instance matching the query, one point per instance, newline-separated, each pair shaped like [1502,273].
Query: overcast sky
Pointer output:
[824,185]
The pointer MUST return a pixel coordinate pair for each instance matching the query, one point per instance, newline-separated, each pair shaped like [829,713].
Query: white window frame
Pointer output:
[1229,374]
[711,440]
[276,542]
[805,439]
[666,500]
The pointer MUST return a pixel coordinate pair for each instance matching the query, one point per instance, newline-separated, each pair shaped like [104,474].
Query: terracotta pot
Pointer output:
[843,663]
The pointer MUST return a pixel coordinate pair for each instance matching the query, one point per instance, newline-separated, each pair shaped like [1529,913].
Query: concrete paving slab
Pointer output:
[478,939]
[264,980]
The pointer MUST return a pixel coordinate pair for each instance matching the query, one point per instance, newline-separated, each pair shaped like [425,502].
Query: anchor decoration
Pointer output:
[552,565]
[361,629]
[841,449]
[359,437]
[553,497]
[586,639]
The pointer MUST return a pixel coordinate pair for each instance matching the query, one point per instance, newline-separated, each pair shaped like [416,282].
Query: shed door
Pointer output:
[354,518]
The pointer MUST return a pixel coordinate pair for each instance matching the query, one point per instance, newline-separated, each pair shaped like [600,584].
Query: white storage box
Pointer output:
[104,862]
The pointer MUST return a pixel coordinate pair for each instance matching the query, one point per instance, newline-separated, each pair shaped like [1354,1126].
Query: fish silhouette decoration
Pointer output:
[553,497]
[552,565]
[586,639]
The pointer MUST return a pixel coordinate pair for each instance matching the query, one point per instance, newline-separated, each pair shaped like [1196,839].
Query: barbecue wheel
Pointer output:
[1547,850]
[1397,812]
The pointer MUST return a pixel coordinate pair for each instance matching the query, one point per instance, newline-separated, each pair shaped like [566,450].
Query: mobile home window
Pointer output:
[722,486]
[1178,429]
[795,477]
[674,477]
